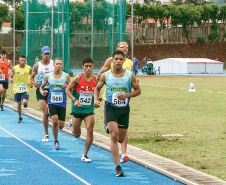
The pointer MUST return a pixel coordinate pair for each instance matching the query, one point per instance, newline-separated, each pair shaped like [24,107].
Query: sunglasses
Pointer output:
[123,46]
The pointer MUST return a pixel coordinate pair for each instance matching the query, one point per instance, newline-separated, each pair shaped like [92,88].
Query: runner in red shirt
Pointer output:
[5,65]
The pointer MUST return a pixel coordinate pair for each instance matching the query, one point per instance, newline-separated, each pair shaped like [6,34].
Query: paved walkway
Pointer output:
[160,164]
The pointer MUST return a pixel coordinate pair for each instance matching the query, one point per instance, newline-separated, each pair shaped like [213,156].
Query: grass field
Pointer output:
[166,107]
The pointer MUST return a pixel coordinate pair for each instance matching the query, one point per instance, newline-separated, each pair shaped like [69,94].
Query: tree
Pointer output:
[222,17]
[10,2]
[186,13]
[145,15]
[162,13]
[19,17]
[154,15]
[137,11]
[175,20]
[194,17]
[4,11]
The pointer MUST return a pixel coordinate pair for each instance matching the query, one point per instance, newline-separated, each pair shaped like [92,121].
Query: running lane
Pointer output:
[25,159]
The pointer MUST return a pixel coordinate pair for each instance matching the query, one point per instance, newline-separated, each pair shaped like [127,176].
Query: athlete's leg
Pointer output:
[1,91]
[89,121]
[25,99]
[19,108]
[3,96]
[117,135]
[76,126]
[55,126]
[124,144]
[44,106]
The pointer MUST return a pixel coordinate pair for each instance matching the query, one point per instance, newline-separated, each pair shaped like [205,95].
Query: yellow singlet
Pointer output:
[128,64]
[22,79]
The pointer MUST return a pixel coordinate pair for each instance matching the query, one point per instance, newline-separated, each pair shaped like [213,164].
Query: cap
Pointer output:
[45,50]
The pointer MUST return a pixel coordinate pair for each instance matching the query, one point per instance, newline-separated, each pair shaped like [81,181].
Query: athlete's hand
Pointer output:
[122,96]
[77,104]
[38,85]
[64,85]
[11,80]
[1,74]
[30,85]
[100,98]
[97,103]
[44,93]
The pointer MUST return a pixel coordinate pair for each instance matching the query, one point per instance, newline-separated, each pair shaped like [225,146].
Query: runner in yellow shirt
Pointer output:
[128,64]
[22,85]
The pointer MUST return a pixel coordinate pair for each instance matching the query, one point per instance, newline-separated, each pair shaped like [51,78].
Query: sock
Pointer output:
[25,105]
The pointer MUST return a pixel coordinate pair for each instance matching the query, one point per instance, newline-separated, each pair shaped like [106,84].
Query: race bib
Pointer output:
[117,102]
[22,88]
[2,78]
[57,97]
[85,99]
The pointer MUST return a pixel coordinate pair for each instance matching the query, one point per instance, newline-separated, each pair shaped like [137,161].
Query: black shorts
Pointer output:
[83,116]
[39,95]
[57,110]
[5,84]
[118,114]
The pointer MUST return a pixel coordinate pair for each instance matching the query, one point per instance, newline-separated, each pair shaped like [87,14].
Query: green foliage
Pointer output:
[201,39]
[224,35]
[214,26]
[143,37]
[19,17]
[136,41]
[213,36]
[10,2]
[4,10]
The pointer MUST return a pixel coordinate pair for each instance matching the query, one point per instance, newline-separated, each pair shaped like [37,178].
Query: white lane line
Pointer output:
[79,178]
[181,88]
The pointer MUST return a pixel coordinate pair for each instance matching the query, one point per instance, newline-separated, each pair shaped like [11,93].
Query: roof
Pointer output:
[6,24]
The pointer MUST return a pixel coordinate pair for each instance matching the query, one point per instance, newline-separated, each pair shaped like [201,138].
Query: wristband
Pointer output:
[74,100]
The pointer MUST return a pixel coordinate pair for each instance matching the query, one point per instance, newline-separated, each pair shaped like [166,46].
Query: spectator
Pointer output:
[150,67]
[144,61]
[135,66]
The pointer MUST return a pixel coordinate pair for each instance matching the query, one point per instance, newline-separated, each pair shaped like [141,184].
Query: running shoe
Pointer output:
[56,145]
[46,138]
[106,129]
[124,158]
[119,172]
[2,108]
[20,120]
[70,123]
[85,158]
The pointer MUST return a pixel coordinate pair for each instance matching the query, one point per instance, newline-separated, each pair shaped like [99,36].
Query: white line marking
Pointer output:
[180,88]
[79,178]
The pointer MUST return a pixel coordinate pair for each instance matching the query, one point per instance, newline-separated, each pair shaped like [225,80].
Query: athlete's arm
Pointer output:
[30,85]
[10,66]
[68,81]
[34,72]
[105,67]
[11,75]
[42,91]
[136,92]
[100,84]
[69,89]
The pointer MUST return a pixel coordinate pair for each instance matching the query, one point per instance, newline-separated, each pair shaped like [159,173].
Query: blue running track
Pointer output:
[25,159]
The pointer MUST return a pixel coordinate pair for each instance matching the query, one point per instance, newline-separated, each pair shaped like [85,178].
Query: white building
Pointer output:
[6,27]
[189,66]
